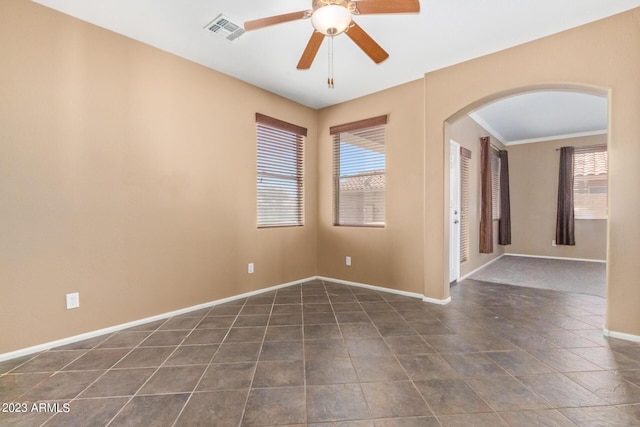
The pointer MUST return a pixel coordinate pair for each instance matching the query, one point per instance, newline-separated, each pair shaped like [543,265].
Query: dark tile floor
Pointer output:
[328,354]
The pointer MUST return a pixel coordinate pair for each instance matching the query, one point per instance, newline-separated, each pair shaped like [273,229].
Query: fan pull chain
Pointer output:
[330,78]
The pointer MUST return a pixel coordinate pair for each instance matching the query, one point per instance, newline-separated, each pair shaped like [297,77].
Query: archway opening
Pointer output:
[530,124]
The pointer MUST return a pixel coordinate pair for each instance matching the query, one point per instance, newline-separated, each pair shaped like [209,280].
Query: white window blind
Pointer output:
[359,165]
[495,183]
[280,172]
[590,170]
[465,165]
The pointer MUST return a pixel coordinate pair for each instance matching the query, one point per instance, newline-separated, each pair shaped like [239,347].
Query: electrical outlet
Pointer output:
[73,300]
[250,268]
[348,260]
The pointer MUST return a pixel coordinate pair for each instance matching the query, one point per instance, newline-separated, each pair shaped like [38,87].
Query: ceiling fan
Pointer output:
[334,17]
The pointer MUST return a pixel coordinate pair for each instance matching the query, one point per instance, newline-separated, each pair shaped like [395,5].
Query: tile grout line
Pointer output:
[51,372]
[135,394]
[514,377]
[485,324]
[255,368]
[204,372]
[397,359]
[395,356]
[509,374]
[95,347]
[347,348]
[304,357]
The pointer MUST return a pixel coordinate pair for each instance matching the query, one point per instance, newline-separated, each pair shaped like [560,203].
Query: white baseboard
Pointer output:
[528,256]
[481,267]
[389,290]
[372,287]
[70,340]
[558,257]
[437,301]
[621,335]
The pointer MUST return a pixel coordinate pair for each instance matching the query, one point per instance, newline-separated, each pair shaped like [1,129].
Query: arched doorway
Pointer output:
[530,124]
[591,57]
[474,106]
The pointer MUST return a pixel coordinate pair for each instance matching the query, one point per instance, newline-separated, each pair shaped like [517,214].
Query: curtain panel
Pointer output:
[486,204]
[565,221]
[504,224]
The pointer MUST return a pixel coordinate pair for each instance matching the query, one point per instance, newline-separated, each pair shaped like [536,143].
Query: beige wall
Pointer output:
[391,256]
[605,55]
[533,170]
[467,133]
[123,176]
[128,174]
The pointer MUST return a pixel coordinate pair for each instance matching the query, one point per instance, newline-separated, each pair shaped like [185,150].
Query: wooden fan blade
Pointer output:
[274,20]
[310,51]
[386,6]
[366,43]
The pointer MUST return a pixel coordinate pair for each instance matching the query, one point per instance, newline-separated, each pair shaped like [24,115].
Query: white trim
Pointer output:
[372,287]
[481,267]
[556,137]
[388,290]
[454,260]
[484,124]
[559,257]
[70,340]
[621,335]
[437,301]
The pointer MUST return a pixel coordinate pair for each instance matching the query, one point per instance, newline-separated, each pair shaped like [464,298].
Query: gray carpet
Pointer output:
[560,275]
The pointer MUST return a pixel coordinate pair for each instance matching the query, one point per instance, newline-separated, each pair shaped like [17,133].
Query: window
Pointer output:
[495,183]
[280,184]
[359,172]
[465,164]
[590,167]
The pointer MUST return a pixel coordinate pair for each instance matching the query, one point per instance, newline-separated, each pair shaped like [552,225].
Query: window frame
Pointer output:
[585,209]
[465,204]
[274,161]
[494,156]
[377,126]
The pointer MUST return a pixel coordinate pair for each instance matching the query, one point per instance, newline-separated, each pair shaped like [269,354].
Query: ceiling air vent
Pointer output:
[224,28]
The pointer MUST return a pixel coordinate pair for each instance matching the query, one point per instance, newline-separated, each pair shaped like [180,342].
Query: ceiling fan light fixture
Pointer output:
[331,20]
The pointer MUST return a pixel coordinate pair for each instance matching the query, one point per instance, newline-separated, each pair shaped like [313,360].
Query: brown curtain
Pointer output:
[565,233]
[486,217]
[504,225]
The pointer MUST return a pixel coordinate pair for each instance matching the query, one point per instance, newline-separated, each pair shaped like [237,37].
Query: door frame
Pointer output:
[454,211]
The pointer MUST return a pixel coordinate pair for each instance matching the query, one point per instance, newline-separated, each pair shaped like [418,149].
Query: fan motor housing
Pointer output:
[350,5]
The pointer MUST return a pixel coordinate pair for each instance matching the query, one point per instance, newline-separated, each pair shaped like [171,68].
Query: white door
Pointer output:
[454,211]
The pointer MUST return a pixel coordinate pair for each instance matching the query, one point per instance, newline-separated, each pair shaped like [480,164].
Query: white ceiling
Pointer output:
[541,116]
[445,32]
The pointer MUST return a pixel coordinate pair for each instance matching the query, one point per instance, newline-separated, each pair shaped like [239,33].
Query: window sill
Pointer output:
[261,227]
[360,225]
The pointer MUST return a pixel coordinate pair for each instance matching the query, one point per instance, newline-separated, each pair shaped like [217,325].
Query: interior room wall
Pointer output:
[391,256]
[603,55]
[467,133]
[128,175]
[534,192]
